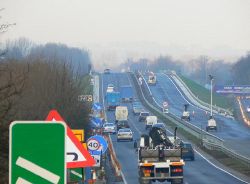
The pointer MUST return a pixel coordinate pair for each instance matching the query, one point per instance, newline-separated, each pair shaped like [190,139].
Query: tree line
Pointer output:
[34,80]
[198,69]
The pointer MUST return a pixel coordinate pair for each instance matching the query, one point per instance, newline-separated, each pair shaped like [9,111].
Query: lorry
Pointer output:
[211,124]
[159,159]
[113,100]
[151,78]
[121,113]
[126,93]
[186,113]
[150,121]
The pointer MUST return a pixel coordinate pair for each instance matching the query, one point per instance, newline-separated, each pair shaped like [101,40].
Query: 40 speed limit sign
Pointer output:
[97,145]
[93,144]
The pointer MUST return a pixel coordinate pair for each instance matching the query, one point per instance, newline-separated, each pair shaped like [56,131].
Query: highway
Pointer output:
[195,172]
[235,134]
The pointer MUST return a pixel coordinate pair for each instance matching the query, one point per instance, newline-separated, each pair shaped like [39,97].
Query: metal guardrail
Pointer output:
[208,140]
[218,109]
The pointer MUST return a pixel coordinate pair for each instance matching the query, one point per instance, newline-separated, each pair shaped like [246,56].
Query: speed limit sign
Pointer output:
[93,144]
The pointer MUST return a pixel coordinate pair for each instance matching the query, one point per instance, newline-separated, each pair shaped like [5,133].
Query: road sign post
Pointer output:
[37,152]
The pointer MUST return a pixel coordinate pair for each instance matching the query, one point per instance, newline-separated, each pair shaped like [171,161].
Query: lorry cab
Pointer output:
[150,121]
[211,124]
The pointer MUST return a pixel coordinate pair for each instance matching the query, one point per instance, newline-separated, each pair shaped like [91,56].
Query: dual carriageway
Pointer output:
[199,171]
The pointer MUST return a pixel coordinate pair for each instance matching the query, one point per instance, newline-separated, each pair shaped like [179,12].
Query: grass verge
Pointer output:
[204,94]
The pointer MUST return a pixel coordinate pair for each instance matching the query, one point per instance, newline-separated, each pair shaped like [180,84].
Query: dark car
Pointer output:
[143,115]
[122,124]
[107,71]
[187,151]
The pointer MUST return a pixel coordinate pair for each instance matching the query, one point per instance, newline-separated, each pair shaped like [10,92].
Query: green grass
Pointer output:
[204,94]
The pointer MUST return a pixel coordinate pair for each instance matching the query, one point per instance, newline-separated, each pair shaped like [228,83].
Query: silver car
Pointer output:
[124,134]
[109,128]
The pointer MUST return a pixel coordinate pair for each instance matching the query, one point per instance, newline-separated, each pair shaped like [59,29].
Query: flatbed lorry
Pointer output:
[159,159]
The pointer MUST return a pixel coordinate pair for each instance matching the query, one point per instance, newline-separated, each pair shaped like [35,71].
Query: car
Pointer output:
[248,109]
[187,150]
[137,110]
[107,71]
[110,88]
[109,128]
[122,124]
[124,134]
[161,126]
[143,115]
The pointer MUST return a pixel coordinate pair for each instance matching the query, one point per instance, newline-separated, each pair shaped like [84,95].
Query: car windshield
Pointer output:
[108,124]
[187,145]
[125,130]
[144,114]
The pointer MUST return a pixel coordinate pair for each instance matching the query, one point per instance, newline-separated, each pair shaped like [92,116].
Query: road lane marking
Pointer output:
[22,181]
[36,169]
[217,167]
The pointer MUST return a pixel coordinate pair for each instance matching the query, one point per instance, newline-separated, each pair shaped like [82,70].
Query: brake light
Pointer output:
[146,172]
[177,170]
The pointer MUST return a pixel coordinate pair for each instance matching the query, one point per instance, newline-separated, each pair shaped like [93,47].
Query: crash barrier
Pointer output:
[208,140]
[205,105]
[114,161]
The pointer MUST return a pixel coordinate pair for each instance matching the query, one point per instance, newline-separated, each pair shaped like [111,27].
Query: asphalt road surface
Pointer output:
[195,172]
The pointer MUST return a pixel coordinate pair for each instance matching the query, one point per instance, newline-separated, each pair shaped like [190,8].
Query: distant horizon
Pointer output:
[115,30]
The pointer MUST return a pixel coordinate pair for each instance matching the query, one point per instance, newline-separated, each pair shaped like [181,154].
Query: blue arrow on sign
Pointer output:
[103,145]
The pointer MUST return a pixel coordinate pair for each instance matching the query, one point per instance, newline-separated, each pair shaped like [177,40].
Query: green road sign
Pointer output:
[37,152]
[76,174]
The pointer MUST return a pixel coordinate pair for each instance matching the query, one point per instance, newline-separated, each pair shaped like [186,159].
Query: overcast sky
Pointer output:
[115,29]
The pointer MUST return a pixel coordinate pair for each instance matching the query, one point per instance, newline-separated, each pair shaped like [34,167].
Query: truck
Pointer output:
[113,100]
[159,159]
[151,78]
[186,113]
[211,124]
[150,121]
[121,113]
[126,93]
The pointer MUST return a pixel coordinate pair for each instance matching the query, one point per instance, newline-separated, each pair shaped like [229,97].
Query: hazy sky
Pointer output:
[115,29]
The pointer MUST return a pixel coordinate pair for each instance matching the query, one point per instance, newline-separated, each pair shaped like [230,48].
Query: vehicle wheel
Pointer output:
[177,181]
[207,129]
[118,140]
[192,158]
[143,181]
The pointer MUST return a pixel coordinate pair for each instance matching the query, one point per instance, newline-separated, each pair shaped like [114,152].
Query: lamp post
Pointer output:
[211,88]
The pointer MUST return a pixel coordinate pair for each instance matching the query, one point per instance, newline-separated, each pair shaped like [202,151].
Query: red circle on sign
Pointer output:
[95,145]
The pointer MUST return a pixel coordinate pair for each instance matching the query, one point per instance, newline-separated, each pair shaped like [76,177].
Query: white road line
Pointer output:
[53,178]
[22,181]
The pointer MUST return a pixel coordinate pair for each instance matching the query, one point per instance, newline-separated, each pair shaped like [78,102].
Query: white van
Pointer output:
[121,113]
[150,121]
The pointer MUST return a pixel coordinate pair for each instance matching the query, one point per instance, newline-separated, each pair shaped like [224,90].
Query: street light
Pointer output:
[211,88]
[211,124]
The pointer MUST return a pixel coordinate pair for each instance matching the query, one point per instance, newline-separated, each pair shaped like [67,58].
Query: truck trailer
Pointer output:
[126,93]
[113,100]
